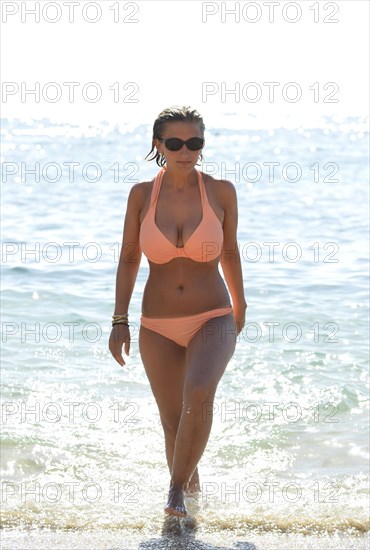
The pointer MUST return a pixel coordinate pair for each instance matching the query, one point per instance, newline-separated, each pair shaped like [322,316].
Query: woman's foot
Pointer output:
[175,505]
[192,489]
[193,486]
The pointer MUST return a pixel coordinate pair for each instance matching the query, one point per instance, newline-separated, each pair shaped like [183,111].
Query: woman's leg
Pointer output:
[208,354]
[165,363]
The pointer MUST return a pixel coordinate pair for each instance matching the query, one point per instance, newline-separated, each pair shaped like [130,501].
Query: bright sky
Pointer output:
[188,52]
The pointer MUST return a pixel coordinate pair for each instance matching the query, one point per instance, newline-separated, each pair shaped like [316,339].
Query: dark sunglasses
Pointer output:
[175,144]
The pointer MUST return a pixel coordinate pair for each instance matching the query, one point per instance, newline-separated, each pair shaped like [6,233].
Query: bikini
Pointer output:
[203,245]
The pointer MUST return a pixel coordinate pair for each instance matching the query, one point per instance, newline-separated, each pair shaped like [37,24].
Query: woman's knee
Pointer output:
[197,395]
[170,425]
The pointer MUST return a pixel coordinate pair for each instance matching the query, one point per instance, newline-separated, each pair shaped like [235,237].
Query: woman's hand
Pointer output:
[120,334]
[239,316]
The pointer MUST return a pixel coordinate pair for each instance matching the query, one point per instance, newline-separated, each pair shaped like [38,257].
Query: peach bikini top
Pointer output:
[203,245]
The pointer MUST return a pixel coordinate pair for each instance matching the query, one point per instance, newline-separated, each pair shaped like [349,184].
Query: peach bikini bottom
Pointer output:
[182,329]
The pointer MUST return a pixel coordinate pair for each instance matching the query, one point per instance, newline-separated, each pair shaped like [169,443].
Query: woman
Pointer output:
[185,222]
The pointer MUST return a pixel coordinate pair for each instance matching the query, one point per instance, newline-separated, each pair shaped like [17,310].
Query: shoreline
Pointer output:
[177,535]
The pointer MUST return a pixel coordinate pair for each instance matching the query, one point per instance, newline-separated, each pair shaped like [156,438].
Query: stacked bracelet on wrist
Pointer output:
[120,320]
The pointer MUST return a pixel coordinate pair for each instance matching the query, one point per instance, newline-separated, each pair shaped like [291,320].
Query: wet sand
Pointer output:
[177,534]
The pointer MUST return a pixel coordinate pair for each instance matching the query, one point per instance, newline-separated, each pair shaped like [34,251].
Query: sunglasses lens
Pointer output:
[173,144]
[194,144]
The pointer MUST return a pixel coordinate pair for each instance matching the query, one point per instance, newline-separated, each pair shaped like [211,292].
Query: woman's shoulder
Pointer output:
[221,188]
[141,189]
[220,183]
[139,195]
[142,186]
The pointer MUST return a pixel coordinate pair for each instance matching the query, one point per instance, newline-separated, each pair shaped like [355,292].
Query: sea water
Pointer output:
[82,443]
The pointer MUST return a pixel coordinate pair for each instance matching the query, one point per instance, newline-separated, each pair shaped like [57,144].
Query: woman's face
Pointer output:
[184,158]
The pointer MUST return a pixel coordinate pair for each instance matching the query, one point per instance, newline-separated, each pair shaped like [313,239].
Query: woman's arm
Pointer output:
[128,267]
[230,257]
[130,256]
